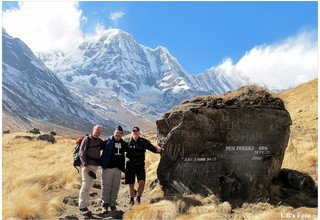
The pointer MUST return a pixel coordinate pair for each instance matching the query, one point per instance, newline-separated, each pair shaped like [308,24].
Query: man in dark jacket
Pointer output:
[89,153]
[135,166]
[112,162]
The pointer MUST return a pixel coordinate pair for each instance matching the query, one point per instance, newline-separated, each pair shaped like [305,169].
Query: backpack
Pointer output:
[76,158]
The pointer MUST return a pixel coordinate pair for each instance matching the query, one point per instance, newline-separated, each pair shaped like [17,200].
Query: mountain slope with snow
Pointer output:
[31,91]
[112,67]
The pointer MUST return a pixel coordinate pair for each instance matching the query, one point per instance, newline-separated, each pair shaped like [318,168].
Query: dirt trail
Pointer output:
[71,202]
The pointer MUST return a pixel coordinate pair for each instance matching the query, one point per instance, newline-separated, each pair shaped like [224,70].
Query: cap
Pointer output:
[135,129]
[119,128]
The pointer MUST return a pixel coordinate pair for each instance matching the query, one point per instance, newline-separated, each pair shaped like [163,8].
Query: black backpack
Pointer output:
[76,158]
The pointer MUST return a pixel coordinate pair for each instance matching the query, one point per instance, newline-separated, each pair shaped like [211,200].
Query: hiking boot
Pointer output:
[113,207]
[138,199]
[85,212]
[131,202]
[106,207]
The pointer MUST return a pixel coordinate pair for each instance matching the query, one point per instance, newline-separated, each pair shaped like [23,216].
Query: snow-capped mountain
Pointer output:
[31,91]
[127,81]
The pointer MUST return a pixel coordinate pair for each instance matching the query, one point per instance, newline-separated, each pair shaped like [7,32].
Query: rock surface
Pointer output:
[34,131]
[53,133]
[46,137]
[29,138]
[231,145]
[297,180]
[6,132]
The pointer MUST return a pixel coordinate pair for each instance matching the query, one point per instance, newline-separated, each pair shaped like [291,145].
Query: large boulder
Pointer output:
[231,145]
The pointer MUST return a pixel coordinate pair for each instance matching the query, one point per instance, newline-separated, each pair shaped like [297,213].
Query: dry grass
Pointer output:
[259,211]
[302,103]
[302,151]
[161,210]
[36,176]
[302,154]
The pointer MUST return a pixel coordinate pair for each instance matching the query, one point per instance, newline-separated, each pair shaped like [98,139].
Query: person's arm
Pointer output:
[152,148]
[124,145]
[103,144]
[83,151]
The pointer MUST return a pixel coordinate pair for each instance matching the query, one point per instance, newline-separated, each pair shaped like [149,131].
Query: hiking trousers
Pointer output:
[86,186]
[110,183]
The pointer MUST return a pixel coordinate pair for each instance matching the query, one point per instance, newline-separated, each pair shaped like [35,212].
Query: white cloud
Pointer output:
[278,66]
[114,16]
[84,19]
[45,26]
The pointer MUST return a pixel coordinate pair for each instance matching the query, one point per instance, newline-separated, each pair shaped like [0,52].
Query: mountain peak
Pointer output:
[5,33]
[115,31]
[162,49]
[111,33]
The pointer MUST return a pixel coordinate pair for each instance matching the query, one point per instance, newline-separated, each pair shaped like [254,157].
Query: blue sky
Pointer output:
[201,34]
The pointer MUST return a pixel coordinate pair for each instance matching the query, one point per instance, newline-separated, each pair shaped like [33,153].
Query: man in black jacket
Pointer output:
[135,166]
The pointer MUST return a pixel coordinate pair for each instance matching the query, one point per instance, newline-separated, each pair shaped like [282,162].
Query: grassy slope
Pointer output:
[302,103]
[302,151]
[37,175]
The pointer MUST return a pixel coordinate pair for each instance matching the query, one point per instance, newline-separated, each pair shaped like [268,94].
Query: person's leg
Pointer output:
[107,176]
[141,176]
[115,187]
[132,193]
[87,182]
[103,185]
[141,187]
[130,179]
[106,180]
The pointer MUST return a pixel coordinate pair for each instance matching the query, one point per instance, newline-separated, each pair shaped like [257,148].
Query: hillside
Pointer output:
[32,92]
[38,176]
[302,103]
[302,151]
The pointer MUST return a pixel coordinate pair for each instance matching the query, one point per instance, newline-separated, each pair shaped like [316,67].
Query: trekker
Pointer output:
[135,166]
[112,162]
[89,154]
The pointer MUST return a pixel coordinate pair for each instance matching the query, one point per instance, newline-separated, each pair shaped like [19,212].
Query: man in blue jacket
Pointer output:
[112,162]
